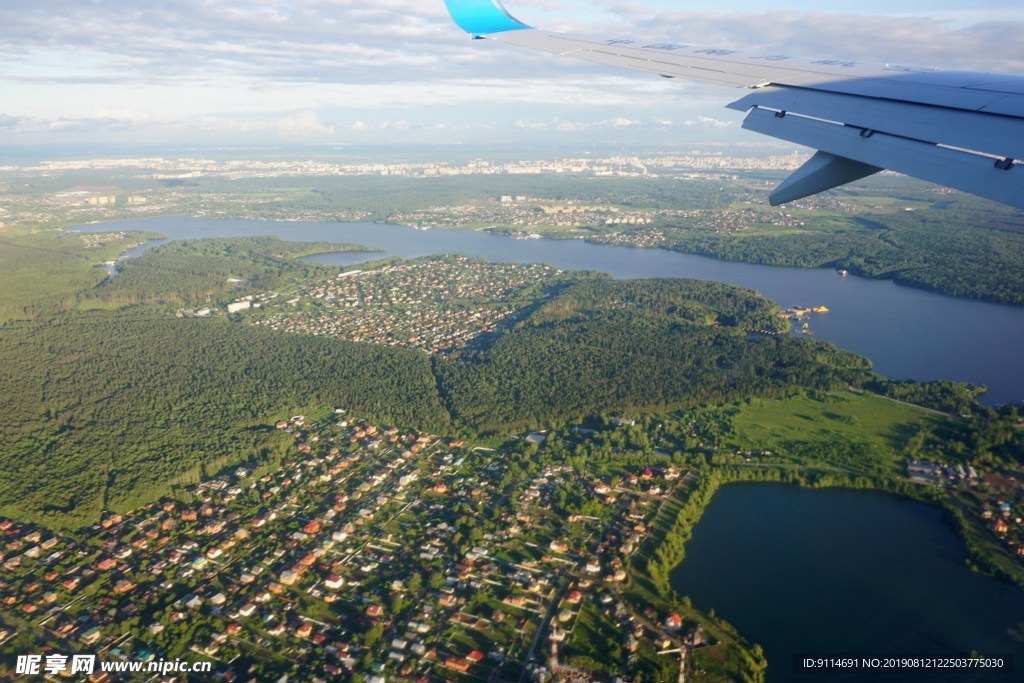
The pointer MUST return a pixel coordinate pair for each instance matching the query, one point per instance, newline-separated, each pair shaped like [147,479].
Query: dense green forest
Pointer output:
[46,272]
[213,270]
[105,410]
[956,398]
[976,253]
[636,345]
[697,301]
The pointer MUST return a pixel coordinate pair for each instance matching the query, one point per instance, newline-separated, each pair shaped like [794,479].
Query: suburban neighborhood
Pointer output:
[370,552]
[438,305]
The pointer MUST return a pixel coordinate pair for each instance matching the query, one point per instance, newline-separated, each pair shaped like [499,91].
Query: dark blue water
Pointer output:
[830,571]
[906,332]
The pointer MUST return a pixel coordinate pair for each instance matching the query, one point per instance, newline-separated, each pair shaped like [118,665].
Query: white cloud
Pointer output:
[530,125]
[330,68]
[919,40]
[222,124]
[618,122]
[314,41]
[303,124]
[401,124]
[709,122]
[63,124]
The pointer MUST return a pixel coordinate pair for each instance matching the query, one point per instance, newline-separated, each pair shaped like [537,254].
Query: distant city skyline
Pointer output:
[346,72]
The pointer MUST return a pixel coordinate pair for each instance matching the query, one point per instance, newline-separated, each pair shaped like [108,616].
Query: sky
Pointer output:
[346,72]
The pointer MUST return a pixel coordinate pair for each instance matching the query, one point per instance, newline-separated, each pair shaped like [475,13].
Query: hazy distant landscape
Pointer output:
[710,203]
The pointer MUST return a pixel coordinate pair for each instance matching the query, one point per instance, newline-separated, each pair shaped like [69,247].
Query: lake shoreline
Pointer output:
[658,563]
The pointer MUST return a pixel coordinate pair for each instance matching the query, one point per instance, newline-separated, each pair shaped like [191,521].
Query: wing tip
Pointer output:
[482,17]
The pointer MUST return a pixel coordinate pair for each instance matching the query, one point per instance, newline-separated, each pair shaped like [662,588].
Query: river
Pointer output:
[831,571]
[907,333]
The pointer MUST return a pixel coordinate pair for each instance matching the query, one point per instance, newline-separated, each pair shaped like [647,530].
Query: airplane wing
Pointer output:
[955,128]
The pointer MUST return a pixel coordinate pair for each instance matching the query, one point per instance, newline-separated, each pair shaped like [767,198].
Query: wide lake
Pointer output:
[907,333]
[832,571]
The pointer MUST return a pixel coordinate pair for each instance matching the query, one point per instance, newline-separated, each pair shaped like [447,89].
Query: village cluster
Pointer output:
[998,515]
[529,212]
[725,221]
[438,305]
[374,551]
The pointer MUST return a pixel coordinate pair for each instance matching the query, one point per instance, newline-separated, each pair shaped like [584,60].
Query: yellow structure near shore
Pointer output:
[797,312]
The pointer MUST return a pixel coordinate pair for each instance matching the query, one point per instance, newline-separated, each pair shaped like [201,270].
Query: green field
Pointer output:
[831,428]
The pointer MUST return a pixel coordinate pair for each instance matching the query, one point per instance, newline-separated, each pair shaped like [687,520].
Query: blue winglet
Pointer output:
[480,17]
